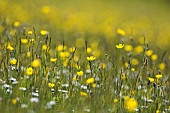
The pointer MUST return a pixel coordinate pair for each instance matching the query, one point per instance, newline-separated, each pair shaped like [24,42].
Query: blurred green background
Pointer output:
[149,18]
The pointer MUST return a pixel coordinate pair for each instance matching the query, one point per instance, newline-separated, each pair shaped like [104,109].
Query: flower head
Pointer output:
[24,40]
[130,104]
[13,61]
[151,79]
[80,73]
[90,80]
[36,63]
[29,71]
[43,32]
[91,58]
[158,76]
[9,47]
[119,46]
[51,85]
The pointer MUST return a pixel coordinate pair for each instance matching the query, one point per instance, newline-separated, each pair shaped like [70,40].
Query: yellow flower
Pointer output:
[121,32]
[123,76]
[44,47]
[51,85]
[94,85]
[16,24]
[72,49]
[24,40]
[30,32]
[53,59]
[128,48]
[13,61]
[64,54]
[135,62]
[80,73]
[46,9]
[158,76]
[14,101]
[29,71]
[90,80]
[157,111]
[149,53]
[126,64]
[154,57]
[91,58]
[83,94]
[28,54]
[61,48]
[151,79]
[36,63]
[139,49]
[89,50]
[161,66]
[132,69]
[119,46]
[130,104]
[43,32]
[9,47]
[102,65]
[115,100]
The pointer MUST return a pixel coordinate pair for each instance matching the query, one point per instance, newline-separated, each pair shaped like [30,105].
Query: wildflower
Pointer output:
[83,94]
[139,49]
[51,85]
[130,104]
[119,46]
[135,62]
[16,24]
[91,58]
[32,40]
[154,57]
[157,111]
[158,76]
[53,59]
[89,50]
[28,54]
[13,61]
[36,63]
[61,48]
[149,53]
[72,49]
[24,40]
[151,79]
[46,9]
[9,47]
[64,54]
[115,100]
[29,71]
[90,80]
[44,47]
[74,78]
[132,69]
[43,32]
[161,66]
[126,64]
[30,32]
[80,73]
[14,101]
[128,48]
[123,76]
[94,85]
[121,32]
[102,65]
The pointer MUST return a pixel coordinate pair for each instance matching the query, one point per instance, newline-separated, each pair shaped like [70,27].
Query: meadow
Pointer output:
[84,56]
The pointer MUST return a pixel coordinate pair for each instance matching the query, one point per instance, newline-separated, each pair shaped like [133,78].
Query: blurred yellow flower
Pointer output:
[16,24]
[28,54]
[158,76]
[14,101]
[151,79]
[90,80]
[126,64]
[24,40]
[161,66]
[89,50]
[128,48]
[30,32]
[83,94]
[119,46]
[135,62]
[64,54]
[130,104]
[72,49]
[36,63]
[46,9]
[43,32]
[91,58]
[115,100]
[132,69]
[53,59]
[29,71]
[51,85]
[154,57]
[121,32]
[102,65]
[139,49]
[94,85]
[9,47]
[123,76]
[157,111]
[61,48]
[44,47]
[13,61]
[80,73]
[149,52]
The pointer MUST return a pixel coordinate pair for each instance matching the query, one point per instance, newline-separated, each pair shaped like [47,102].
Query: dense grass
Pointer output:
[93,63]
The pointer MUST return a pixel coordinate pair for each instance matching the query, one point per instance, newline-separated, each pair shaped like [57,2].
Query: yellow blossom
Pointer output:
[90,80]
[115,100]
[13,61]
[132,69]
[16,24]
[44,47]
[157,111]
[28,54]
[72,49]
[121,32]
[94,85]
[30,32]
[53,59]
[83,94]
[43,32]
[149,53]
[9,47]
[130,104]
[126,64]
[158,76]
[91,58]
[128,48]
[123,76]
[154,57]
[29,71]
[74,78]
[135,62]
[89,50]
[51,85]
[24,40]
[119,46]
[61,48]
[161,66]
[14,101]
[46,9]
[80,73]
[36,63]
[102,65]
[139,49]
[151,79]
